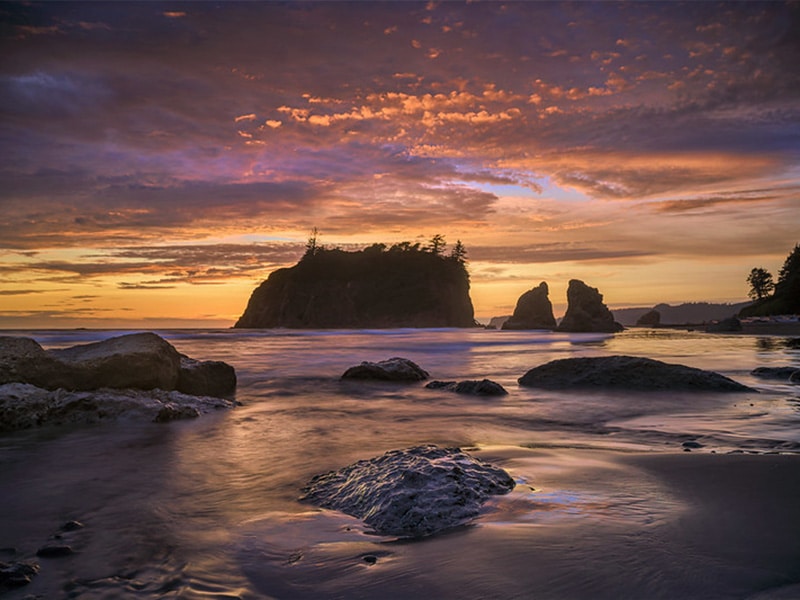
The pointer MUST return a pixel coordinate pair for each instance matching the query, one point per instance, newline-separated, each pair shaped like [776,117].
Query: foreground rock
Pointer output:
[24,406]
[586,311]
[16,574]
[410,493]
[393,369]
[142,361]
[484,387]
[533,311]
[628,373]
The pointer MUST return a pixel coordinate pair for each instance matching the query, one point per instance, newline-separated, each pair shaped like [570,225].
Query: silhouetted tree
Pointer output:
[459,252]
[436,244]
[311,244]
[761,284]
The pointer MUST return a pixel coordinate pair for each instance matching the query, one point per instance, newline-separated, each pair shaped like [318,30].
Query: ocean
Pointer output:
[208,508]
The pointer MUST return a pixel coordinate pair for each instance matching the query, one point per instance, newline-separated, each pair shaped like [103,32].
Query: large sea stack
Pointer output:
[533,311]
[404,286]
[586,311]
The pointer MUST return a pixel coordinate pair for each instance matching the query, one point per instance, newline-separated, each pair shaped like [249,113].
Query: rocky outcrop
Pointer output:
[651,318]
[533,311]
[729,325]
[586,311]
[626,373]
[415,492]
[141,361]
[392,369]
[25,406]
[483,387]
[377,288]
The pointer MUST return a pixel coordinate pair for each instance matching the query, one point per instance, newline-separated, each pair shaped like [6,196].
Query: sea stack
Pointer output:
[586,311]
[533,311]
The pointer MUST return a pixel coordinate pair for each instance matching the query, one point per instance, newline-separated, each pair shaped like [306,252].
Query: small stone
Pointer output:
[72,526]
[54,551]
[370,559]
[691,445]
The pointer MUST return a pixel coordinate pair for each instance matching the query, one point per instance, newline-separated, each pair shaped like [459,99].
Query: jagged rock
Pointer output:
[23,406]
[729,325]
[484,387]
[533,311]
[393,369]
[586,311]
[141,361]
[410,493]
[377,288]
[17,574]
[781,373]
[626,372]
[649,319]
[206,377]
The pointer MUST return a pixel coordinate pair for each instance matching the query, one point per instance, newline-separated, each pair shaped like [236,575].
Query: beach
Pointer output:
[644,495]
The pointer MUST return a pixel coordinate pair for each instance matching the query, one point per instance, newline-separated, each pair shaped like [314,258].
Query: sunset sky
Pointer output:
[159,160]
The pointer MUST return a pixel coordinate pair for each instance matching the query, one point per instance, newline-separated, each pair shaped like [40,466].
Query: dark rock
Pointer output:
[173,412]
[649,319]
[410,493]
[586,311]
[729,325]
[628,373]
[54,550]
[793,343]
[780,373]
[370,559]
[17,574]
[142,361]
[72,526]
[400,287]
[484,387]
[533,311]
[795,377]
[393,369]
[206,378]
[692,445]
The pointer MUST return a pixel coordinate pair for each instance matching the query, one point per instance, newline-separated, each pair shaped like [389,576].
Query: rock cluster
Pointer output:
[138,374]
[586,311]
[626,373]
[414,492]
[533,311]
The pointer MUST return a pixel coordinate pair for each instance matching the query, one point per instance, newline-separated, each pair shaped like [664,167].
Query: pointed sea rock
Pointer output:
[533,311]
[586,311]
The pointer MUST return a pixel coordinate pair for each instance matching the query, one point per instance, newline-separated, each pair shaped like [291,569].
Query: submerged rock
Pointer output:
[779,373]
[23,406]
[484,387]
[393,369]
[410,493]
[142,361]
[16,574]
[626,372]
[533,311]
[586,311]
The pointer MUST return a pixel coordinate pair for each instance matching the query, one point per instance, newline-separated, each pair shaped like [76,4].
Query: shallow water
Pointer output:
[208,508]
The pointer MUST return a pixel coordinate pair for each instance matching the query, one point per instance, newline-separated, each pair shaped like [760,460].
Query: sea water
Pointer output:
[208,508]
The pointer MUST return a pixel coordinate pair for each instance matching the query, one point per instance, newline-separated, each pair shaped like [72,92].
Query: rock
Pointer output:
[626,373]
[586,311]
[404,286]
[23,406]
[54,550]
[651,318]
[141,361]
[174,412]
[393,369]
[729,325]
[692,445]
[17,574]
[497,322]
[484,387]
[780,373]
[533,311]
[414,492]
[206,378]
[72,526]
[795,377]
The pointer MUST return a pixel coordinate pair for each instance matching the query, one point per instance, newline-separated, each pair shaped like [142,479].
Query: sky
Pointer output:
[159,160]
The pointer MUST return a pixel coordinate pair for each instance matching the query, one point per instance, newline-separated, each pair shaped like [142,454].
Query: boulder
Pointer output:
[586,311]
[24,406]
[484,387]
[780,373]
[533,311]
[414,492]
[651,318]
[729,325]
[393,369]
[626,373]
[142,361]
[206,377]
